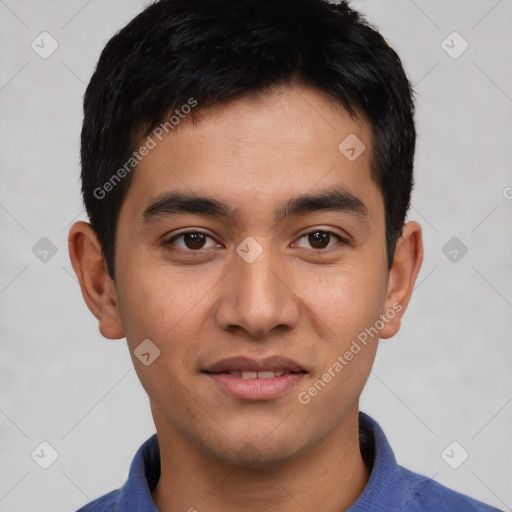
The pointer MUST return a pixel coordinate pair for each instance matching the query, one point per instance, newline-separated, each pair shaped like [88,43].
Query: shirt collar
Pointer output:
[144,474]
[383,489]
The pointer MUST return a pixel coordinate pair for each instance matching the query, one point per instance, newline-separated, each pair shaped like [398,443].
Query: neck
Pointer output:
[328,477]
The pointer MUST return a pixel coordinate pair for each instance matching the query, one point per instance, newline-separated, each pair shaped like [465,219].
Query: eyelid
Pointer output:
[188,231]
[341,234]
[341,239]
[169,241]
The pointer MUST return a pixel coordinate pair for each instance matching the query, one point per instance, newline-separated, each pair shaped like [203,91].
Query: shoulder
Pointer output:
[135,494]
[106,503]
[393,487]
[425,495]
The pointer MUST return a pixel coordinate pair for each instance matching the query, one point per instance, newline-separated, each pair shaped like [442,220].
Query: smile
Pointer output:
[248,379]
[259,375]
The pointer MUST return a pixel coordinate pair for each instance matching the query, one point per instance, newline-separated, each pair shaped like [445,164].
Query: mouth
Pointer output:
[266,374]
[250,379]
[241,364]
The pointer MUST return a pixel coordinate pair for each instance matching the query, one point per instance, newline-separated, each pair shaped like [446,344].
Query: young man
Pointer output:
[247,170]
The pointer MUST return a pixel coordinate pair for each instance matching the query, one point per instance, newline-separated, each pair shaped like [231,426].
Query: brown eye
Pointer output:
[190,241]
[320,239]
[194,240]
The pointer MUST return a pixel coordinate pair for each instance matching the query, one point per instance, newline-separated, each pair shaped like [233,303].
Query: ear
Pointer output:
[97,288]
[402,276]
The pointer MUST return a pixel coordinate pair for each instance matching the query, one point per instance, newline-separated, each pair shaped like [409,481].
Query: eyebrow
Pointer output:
[336,199]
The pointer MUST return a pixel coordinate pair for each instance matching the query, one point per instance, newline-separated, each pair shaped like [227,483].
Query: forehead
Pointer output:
[263,148]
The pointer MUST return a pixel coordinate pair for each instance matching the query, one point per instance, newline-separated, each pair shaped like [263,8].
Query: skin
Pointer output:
[297,300]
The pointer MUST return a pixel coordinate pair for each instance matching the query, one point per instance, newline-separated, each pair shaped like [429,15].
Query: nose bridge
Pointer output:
[257,297]
[259,284]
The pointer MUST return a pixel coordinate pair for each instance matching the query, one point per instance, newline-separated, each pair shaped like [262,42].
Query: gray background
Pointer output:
[445,377]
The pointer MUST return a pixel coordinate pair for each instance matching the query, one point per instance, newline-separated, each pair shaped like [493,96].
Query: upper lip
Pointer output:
[246,364]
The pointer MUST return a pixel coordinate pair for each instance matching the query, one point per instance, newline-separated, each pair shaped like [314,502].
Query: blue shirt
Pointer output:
[391,488]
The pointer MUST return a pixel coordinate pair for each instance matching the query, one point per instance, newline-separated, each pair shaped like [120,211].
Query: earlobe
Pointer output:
[97,288]
[402,277]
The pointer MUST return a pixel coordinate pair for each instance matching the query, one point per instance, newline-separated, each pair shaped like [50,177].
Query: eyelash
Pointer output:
[171,241]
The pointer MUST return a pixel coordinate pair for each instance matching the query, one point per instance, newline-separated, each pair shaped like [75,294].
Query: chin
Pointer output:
[258,454]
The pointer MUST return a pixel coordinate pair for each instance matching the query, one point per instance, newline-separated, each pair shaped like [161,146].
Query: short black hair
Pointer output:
[177,52]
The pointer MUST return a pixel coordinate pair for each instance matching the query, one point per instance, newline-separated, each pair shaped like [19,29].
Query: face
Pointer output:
[258,278]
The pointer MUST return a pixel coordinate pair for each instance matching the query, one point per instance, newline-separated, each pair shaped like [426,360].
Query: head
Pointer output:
[209,53]
[247,168]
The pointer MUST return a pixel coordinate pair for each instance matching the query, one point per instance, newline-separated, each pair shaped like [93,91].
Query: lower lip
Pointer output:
[255,389]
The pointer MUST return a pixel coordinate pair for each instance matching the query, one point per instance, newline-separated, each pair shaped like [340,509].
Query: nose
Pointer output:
[257,297]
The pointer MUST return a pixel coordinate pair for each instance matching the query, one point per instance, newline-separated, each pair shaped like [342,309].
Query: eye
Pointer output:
[321,239]
[192,241]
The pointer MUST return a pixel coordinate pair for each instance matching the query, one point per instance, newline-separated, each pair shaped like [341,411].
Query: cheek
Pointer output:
[159,304]
[169,310]
[345,301]
[347,311]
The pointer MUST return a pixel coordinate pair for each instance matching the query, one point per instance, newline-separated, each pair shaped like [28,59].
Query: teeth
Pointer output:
[266,375]
[259,375]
